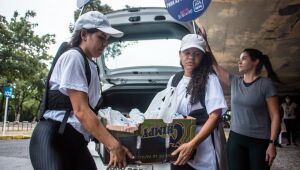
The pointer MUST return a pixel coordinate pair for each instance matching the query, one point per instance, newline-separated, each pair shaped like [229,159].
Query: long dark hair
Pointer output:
[76,37]
[197,85]
[263,61]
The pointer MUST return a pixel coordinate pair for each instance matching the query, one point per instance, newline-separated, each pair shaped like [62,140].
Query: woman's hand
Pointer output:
[118,156]
[270,154]
[185,151]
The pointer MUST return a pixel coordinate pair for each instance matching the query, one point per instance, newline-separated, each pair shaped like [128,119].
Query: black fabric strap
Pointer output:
[98,106]
[176,79]
[200,114]
[64,122]
[54,99]
[86,65]
[88,77]
[58,101]
[62,48]
[98,69]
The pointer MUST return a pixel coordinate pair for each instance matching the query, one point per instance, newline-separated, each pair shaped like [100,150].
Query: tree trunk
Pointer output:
[38,110]
[17,108]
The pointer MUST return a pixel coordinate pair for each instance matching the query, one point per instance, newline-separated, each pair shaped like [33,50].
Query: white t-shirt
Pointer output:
[69,73]
[289,110]
[205,157]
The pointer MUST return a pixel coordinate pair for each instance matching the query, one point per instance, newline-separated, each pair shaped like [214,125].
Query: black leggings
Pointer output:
[291,129]
[246,153]
[52,151]
[181,167]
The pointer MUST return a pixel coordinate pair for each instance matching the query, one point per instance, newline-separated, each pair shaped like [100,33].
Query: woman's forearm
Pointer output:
[273,107]
[89,120]
[207,128]
[92,124]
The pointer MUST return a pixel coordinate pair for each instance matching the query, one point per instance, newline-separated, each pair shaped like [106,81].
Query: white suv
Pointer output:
[138,65]
[147,56]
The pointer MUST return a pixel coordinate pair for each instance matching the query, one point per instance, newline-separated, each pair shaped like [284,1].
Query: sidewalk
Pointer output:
[17,130]
[11,135]
[287,158]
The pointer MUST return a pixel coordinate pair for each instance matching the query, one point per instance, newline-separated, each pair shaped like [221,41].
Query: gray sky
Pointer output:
[54,16]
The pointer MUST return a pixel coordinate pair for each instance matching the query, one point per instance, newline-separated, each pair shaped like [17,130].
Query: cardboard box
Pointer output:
[149,143]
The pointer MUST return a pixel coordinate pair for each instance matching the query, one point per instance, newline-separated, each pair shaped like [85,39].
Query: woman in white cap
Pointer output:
[255,115]
[200,95]
[73,90]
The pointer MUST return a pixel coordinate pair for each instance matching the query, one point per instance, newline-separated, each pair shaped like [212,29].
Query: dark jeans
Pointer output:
[52,151]
[246,153]
[291,129]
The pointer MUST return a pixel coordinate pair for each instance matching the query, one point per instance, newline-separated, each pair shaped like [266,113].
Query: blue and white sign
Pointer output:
[8,91]
[186,10]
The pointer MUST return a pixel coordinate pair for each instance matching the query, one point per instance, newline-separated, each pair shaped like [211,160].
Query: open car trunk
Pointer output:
[128,96]
[163,138]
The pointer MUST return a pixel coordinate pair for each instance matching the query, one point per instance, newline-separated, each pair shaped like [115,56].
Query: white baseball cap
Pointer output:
[193,40]
[95,19]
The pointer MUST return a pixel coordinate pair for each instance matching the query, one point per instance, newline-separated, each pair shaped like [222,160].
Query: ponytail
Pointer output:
[271,74]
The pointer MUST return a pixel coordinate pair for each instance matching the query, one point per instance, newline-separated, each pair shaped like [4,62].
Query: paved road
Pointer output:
[14,155]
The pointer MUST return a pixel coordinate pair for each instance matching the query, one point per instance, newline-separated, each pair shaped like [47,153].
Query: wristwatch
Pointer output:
[274,142]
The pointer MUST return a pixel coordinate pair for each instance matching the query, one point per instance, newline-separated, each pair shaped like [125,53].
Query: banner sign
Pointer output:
[186,10]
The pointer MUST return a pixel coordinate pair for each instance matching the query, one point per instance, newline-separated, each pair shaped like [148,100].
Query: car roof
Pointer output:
[147,23]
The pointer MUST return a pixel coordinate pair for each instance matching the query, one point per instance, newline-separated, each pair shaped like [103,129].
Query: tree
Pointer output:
[96,5]
[93,5]
[23,58]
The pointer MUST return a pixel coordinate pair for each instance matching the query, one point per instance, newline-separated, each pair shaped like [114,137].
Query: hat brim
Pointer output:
[111,31]
[191,46]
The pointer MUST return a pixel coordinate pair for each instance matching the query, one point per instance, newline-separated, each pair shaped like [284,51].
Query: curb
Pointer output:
[14,137]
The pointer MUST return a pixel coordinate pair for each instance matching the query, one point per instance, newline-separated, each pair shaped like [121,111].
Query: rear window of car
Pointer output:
[158,52]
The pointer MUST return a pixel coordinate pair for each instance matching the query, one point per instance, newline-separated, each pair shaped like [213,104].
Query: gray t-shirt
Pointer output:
[250,115]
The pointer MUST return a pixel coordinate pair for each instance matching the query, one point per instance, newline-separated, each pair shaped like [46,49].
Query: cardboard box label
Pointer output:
[155,141]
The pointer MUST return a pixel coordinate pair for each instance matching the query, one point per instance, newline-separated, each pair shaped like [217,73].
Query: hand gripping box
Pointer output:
[153,141]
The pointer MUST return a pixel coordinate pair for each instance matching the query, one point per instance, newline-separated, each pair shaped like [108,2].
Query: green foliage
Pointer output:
[95,5]
[115,49]
[23,58]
